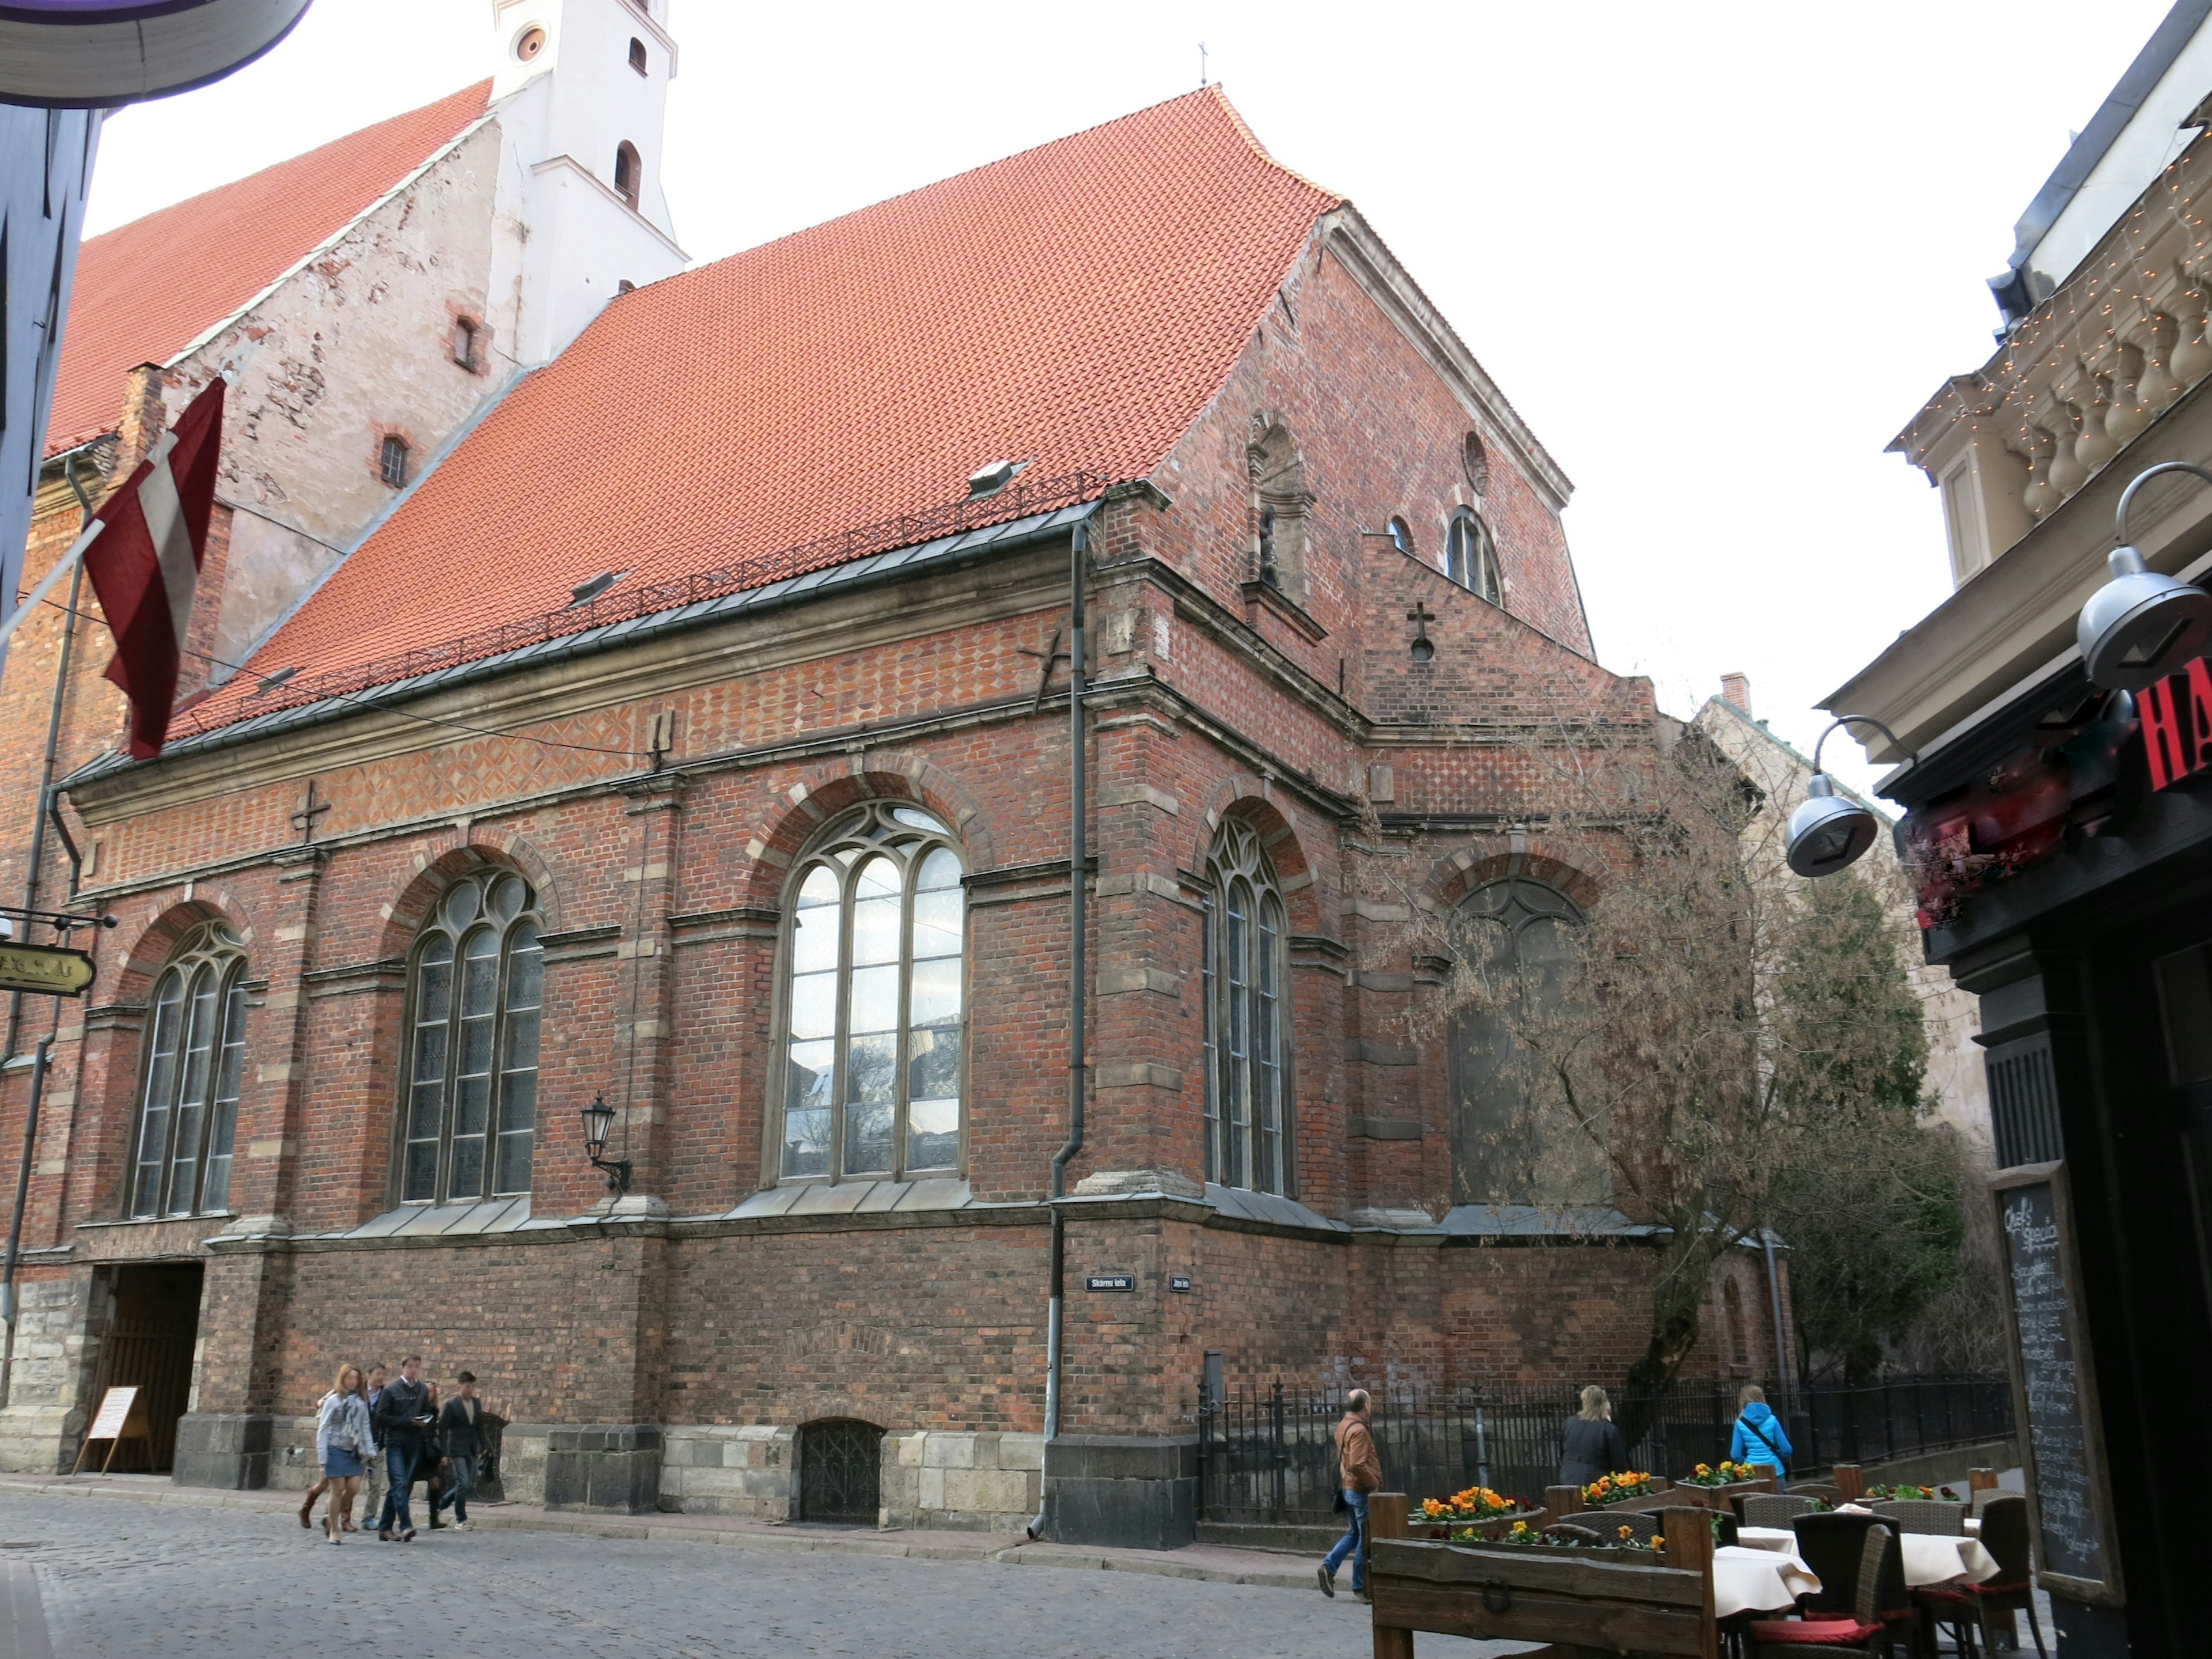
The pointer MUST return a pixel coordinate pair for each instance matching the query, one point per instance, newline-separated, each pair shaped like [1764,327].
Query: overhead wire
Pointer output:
[359,701]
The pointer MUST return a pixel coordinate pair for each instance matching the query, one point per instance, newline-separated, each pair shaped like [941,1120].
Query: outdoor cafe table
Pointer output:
[1930,1558]
[1758,1581]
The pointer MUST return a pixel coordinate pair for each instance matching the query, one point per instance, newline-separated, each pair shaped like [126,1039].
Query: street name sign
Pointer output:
[45,969]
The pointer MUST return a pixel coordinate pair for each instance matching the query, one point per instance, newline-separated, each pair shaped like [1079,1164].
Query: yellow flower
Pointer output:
[1624,1531]
[1657,1543]
[1519,1527]
[1702,1469]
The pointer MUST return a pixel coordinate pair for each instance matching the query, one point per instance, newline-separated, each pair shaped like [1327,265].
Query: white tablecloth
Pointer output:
[1758,1581]
[1933,1558]
[1930,1559]
[1767,1538]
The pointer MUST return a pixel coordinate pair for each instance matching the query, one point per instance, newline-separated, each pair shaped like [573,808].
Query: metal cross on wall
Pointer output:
[310,811]
[1049,658]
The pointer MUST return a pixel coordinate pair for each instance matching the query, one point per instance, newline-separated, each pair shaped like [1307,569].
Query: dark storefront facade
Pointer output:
[2059,829]
[2074,895]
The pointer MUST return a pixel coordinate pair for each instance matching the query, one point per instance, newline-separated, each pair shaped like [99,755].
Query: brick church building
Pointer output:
[617,684]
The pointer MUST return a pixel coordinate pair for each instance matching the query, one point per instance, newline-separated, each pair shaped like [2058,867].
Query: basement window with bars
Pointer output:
[874,1003]
[476,995]
[1246,974]
[195,1058]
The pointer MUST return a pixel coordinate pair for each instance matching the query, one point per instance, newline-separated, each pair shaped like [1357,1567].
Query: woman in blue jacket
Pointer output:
[1759,1438]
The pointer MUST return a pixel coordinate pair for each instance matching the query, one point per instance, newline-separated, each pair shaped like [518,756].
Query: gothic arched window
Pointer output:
[470,1118]
[1469,558]
[873,1006]
[195,1060]
[1246,972]
[1511,1144]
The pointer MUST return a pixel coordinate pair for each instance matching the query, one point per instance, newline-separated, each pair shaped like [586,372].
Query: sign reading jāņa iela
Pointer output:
[44,969]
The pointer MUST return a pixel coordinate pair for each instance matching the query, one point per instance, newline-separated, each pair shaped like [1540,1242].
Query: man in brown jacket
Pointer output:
[1359,1471]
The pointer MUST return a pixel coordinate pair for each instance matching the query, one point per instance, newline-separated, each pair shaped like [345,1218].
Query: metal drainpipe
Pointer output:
[54,746]
[1774,1295]
[1078,859]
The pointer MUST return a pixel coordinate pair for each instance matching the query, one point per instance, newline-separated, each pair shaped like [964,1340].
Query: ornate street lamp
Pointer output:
[598,1121]
[2140,626]
[1829,831]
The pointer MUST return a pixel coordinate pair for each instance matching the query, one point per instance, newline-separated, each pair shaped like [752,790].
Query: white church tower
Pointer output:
[582,90]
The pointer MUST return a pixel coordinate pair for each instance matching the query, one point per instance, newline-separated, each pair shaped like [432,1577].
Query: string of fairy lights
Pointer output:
[2119,303]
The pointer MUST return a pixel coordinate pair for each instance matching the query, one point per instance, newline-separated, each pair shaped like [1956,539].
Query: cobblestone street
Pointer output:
[125,1580]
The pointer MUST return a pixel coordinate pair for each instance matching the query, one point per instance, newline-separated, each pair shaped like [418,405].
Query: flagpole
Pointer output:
[51,579]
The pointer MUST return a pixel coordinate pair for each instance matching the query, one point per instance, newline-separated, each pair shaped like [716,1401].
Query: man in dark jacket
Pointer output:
[460,1428]
[401,1416]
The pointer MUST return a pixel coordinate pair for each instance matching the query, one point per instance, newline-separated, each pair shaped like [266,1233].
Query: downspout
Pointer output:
[53,747]
[1774,1296]
[1078,861]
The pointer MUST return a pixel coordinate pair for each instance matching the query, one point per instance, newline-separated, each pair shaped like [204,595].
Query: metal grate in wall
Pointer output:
[2023,1108]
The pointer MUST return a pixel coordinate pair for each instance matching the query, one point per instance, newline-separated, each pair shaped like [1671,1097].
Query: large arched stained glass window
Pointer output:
[470,1117]
[1246,966]
[874,1004]
[194,1061]
[1511,1141]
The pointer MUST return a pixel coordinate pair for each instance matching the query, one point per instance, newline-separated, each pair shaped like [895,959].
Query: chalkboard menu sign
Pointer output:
[2054,1394]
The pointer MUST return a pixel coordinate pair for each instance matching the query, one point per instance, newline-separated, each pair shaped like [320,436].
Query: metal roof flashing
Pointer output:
[2090,147]
[986,542]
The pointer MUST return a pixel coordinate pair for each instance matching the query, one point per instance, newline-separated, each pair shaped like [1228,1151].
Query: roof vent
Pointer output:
[585,592]
[271,681]
[990,480]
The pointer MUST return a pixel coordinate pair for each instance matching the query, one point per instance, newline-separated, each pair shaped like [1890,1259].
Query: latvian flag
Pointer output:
[145,563]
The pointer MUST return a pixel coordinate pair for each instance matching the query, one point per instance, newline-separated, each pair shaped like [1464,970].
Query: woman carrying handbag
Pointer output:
[345,1442]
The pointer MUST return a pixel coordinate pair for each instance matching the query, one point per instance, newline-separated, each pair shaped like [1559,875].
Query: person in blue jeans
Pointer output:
[402,1417]
[1359,1471]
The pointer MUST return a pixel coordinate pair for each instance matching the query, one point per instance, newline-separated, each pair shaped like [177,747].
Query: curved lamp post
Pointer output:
[1829,831]
[2140,626]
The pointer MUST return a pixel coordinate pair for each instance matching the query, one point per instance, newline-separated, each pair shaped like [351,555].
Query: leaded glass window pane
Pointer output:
[874,1002]
[470,1119]
[1505,1149]
[1244,968]
[195,1057]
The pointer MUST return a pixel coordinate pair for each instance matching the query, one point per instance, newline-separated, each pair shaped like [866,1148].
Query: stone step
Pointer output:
[1290,1540]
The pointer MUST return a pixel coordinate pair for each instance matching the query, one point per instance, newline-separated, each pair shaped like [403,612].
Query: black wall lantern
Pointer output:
[598,1121]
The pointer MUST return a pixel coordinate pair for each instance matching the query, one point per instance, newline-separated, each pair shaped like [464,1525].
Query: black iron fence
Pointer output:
[1266,1455]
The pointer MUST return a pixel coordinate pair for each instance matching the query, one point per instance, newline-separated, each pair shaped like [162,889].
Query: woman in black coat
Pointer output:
[1592,1443]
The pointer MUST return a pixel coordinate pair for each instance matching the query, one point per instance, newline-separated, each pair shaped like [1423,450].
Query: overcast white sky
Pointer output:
[1716,254]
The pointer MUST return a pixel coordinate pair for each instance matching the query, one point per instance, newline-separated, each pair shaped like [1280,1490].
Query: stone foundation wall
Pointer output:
[964,1482]
[744,1469]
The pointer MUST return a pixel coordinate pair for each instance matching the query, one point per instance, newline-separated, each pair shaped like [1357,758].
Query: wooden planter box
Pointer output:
[1495,1526]
[1592,1599]
[1583,1552]
[1718,1497]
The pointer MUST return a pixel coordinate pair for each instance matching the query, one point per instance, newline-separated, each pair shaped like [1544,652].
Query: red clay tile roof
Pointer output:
[1075,307]
[147,289]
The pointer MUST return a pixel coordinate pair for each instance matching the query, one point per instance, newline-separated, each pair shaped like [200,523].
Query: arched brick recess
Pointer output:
[830,791]
[157,942]
[1451,879]
[405,916]
[1243,796]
